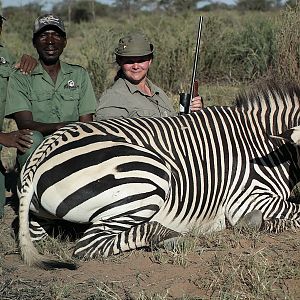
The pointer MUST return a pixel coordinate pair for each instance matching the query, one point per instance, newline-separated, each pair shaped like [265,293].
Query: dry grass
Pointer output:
[214,94]
[223,265]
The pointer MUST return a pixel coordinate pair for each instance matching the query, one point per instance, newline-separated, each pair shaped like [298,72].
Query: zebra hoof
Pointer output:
[252,220]
[168,244]
[171,244]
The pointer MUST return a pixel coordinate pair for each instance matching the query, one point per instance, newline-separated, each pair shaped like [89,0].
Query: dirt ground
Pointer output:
[226,265]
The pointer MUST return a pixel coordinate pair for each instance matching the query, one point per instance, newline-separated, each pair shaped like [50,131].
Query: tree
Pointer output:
[168,5]
[125,5]
[262,5]
[292,3]
[80,10]
[178,5]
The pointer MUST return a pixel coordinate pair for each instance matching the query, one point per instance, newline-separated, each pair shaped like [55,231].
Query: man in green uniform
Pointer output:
[55,93]
[133,93]
[20,139]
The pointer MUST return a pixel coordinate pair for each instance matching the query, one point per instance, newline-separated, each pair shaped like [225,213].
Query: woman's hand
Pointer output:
[196,104]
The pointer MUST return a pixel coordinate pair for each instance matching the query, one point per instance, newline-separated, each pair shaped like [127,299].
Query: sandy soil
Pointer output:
[227,265]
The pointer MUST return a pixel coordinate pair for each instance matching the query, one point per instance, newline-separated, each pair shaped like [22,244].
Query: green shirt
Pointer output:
[66,100]
[6,69]
[125,100]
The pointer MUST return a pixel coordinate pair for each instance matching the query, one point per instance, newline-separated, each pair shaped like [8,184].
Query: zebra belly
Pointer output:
[200,224]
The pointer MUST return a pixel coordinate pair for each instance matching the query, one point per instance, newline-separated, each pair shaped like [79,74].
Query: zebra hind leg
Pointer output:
[105,239]
[40,229]
[37,231]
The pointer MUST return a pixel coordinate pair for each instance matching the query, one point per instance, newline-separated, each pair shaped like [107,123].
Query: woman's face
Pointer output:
[135,68]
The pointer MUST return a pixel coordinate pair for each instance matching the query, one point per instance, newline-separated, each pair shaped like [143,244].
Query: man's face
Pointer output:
[135,68]
[49,44]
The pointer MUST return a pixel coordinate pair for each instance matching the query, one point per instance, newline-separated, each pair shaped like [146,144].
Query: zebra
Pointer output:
[146,181]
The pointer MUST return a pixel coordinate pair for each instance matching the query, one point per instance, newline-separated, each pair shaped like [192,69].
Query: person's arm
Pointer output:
[86,118]
[24,120]
[20,139]
[87,102]
[27,64]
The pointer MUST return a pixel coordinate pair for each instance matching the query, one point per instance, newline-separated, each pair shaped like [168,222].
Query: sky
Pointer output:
[6,3]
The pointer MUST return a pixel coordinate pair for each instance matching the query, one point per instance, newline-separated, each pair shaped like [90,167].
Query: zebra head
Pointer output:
[291,136]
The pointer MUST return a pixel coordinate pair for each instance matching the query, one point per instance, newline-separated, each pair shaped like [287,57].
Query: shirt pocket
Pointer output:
[4,75]
[138,112]
[41,106]
[70,105]
[5,70]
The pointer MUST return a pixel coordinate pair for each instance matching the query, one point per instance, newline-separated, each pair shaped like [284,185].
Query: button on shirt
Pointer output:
[66,100]
[125,100]
[6,69]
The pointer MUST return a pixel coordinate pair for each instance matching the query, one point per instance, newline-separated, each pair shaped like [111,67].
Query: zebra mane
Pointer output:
[264,94]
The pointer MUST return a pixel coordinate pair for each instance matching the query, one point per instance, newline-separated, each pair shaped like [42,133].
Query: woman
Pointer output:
[133,93]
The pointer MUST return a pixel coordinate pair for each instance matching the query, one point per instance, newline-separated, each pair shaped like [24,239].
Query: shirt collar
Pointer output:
[134,89]
[64,68]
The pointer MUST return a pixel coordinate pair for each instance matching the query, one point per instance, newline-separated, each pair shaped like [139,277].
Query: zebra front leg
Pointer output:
[286,217]
[283,217]
[276,225]
[255,220]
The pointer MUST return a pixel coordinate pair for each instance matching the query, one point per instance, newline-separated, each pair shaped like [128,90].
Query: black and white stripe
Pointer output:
[141,181]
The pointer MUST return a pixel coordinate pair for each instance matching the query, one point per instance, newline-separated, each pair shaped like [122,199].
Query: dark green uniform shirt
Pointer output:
[6,69]
[125,100]
[66,100]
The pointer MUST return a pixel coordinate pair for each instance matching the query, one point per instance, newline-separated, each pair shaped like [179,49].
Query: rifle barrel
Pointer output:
[196,57]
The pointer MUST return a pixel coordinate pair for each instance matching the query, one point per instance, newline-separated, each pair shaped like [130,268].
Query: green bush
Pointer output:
[99,55]
[252,49]
[236,47]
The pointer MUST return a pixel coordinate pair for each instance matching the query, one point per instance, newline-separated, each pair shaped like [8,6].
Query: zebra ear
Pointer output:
[291,136]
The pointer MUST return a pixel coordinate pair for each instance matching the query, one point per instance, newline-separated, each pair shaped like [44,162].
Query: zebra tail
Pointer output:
[28,251]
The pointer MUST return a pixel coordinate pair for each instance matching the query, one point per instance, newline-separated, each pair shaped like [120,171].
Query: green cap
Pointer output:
[134,44]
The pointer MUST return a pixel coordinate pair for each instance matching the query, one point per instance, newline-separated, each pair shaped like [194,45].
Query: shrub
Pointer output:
[235,46]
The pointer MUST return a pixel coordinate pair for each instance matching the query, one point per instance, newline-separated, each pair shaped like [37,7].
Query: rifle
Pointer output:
[185,99]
